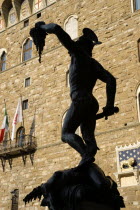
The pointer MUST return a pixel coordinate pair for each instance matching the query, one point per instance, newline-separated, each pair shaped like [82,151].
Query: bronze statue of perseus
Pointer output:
[84,71]
[67,189]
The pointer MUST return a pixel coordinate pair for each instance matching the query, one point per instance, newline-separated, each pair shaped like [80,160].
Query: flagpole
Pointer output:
[9,132]
[22,123]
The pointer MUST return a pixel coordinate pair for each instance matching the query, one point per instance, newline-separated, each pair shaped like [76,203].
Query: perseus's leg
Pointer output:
[88,127]
[71,123]
[87,130]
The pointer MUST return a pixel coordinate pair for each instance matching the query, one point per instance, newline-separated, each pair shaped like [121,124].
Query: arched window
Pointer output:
[12,17]
[138,102]
[3,61]
[20,136]
[24,11]
[71,26]
[27,50]
[135,4]
[1,22]
[38,4]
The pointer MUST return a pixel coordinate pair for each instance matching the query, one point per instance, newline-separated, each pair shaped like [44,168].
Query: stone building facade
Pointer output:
[45,92]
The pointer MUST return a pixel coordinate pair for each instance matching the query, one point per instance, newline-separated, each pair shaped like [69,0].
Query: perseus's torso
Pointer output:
[82,76]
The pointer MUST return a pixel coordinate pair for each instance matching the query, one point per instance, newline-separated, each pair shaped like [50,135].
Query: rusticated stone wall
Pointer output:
[118,28]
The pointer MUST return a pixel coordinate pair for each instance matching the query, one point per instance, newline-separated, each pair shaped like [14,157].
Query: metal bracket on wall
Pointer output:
[3,161]
[24,157]
[10,160]
[32,158]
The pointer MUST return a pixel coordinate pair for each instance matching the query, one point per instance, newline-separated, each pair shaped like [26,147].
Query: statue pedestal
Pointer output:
[92,205]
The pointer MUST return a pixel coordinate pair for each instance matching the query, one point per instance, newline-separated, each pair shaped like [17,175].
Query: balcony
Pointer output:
[24,146]
[21,147]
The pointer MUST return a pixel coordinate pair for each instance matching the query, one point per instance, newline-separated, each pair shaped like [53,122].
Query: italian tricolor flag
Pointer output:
[4,127]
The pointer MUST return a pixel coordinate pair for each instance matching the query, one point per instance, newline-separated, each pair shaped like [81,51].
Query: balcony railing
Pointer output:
[18,147]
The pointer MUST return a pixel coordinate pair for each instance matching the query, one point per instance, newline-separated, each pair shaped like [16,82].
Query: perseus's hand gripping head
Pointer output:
[38,35]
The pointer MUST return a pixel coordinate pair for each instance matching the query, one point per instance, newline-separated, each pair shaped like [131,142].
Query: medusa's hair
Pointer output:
[38,36]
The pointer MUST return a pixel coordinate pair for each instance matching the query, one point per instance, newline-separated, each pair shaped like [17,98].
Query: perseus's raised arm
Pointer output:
[39,32]
[63,37]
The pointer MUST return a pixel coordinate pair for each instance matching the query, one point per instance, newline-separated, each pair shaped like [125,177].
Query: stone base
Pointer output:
[93,206]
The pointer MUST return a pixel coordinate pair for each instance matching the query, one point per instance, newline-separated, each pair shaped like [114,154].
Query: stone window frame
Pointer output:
[11,12]
[66,21]
[38,15]
[27,82]
[133,6]
[23,51]
[3,61]
[3,51]
[138,102]
[25,104]
[26,23]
